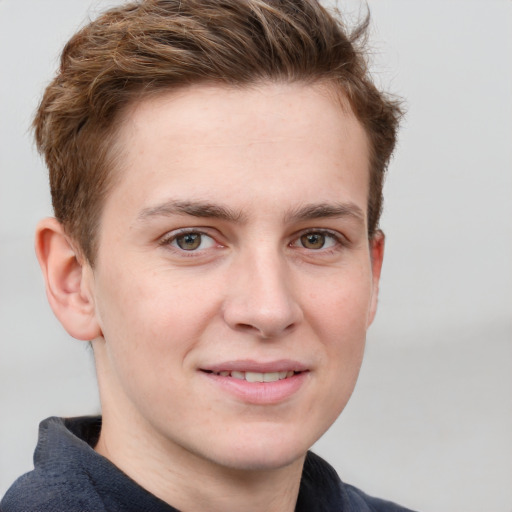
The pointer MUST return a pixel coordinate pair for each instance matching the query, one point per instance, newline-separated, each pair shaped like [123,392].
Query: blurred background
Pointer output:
[430,422]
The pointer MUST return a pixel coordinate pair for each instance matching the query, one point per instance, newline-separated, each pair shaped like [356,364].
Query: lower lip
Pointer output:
[260,393]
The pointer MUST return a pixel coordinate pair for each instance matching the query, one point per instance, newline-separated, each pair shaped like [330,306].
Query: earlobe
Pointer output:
[376,259]
[68,281]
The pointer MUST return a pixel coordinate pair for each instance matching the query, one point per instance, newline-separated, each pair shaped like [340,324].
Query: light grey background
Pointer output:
[430,423]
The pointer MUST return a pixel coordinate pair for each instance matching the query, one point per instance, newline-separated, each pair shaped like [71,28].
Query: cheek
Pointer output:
[131,322]
[340,308]
[145,340]
[338,316]
[151,317]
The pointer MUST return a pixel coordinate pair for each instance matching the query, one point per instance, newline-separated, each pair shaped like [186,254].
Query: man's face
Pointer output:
[234,249]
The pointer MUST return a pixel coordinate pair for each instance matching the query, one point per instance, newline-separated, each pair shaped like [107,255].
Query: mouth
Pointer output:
[258,383]
[251,376]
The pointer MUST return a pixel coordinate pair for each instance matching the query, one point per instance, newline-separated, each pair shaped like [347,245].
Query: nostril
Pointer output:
[247,328]
[267,315]
[265,332]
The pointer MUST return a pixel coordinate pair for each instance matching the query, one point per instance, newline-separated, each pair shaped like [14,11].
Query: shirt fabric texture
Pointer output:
[69,476]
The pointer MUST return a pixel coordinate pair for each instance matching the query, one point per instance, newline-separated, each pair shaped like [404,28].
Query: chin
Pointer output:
[267,461]
[266,451]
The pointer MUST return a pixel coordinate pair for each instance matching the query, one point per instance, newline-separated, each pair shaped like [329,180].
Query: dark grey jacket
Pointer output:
[69,476]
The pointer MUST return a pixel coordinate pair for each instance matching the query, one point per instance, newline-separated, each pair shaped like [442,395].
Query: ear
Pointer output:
[376,258]
[69,281]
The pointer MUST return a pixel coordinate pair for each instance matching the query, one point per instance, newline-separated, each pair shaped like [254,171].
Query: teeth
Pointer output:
[253,377]
[257,376]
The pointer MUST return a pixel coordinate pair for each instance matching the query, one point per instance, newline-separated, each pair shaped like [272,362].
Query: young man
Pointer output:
[216,172]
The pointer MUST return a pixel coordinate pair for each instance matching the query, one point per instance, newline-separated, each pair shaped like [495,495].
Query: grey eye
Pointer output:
[189,242]
[193,241]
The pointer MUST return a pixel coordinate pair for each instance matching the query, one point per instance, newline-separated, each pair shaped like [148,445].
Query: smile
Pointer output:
[258,383]
[256,376]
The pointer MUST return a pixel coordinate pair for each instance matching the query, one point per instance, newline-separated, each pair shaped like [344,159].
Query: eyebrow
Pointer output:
[204,209]
[325,210]
[194,209]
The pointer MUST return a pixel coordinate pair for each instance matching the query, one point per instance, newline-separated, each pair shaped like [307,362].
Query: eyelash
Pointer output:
[339,241]
[168,239]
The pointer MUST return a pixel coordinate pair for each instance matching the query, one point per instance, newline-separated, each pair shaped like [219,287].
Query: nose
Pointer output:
[260,298]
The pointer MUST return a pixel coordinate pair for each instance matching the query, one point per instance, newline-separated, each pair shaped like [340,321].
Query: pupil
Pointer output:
[189,242]
[313,240]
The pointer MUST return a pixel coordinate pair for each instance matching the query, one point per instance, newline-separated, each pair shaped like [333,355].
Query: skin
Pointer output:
[272,183]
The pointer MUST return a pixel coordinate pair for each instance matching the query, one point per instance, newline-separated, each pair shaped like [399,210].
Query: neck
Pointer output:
[192,483]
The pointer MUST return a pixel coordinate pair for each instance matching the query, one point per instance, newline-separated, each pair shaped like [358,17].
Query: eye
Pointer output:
[315,240]
[191,241]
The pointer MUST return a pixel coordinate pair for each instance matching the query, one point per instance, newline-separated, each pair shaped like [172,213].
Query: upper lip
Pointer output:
[248,365]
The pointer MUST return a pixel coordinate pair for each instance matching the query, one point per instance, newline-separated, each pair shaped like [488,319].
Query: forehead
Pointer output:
[253,112]
[216,141]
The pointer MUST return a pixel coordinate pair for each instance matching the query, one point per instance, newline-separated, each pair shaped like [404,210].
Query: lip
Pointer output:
[249,365]
[258,393]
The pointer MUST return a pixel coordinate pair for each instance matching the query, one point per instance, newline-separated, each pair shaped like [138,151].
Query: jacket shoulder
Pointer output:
[363,502]
[41,492]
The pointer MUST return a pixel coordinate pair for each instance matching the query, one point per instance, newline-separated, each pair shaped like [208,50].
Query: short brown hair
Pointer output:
[145,47]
